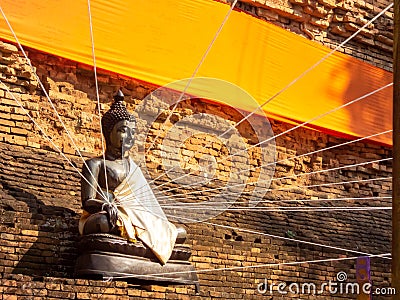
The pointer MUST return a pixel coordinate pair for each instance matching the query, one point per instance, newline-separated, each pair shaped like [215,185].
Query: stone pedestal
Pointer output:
[111,257]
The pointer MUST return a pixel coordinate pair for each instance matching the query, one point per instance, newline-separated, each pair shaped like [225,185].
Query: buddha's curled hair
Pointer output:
[116,113]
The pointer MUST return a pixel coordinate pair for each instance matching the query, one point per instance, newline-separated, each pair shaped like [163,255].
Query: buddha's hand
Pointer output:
[112,213]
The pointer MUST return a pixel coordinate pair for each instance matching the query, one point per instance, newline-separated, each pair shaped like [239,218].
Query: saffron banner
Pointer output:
[161,41]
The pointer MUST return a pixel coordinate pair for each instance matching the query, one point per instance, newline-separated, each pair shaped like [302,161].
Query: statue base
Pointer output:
[107,256]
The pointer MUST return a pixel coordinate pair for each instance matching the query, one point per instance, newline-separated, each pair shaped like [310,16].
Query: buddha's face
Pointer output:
[122,136]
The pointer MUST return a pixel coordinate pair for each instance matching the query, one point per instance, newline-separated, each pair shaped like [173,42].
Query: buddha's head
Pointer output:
[118,127]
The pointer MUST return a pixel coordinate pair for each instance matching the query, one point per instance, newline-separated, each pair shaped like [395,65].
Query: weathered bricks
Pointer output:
[40,204]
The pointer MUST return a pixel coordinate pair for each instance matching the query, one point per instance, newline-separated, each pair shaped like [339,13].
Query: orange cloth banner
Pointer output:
[160,41]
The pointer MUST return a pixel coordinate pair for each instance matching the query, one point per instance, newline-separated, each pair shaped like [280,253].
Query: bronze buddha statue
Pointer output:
[125,231]
[98,201]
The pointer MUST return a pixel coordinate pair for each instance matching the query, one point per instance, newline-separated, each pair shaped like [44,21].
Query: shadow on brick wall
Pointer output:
[45,245]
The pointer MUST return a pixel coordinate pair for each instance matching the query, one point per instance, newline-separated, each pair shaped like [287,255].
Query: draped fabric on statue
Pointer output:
[160,41]
[140,215]
[143,216]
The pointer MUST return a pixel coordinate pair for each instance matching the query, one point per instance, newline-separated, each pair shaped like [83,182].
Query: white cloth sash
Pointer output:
[144,212]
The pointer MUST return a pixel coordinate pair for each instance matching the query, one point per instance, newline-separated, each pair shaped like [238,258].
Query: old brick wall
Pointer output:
[330,22]
[40,196]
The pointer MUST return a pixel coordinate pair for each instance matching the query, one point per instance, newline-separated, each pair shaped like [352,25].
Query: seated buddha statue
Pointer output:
[116,197]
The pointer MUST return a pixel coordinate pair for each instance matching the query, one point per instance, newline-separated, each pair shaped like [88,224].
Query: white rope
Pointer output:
[315,65]
[196,70]
[215,206]
[303,124]
[256,232]
[294,81]
[282,160]
[252,231]
[291,129]
[46,94]
[293,263]
[212,204]
[279,161]
[97,95]
[277,237]
[266,265]
[175,197]
[126,275]
[304,186]
[287,208]
[45,135]
[332,183]
[224,226]
[191,78]
[166,198]
[321,150]
[263,234]
[325,114]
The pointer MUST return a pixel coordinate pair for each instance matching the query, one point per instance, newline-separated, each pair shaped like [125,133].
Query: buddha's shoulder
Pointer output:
[94,162]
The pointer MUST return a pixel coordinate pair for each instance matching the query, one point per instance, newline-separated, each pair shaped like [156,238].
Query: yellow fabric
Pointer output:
[125,227]
[142,212]
[160,41]
[82,221]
